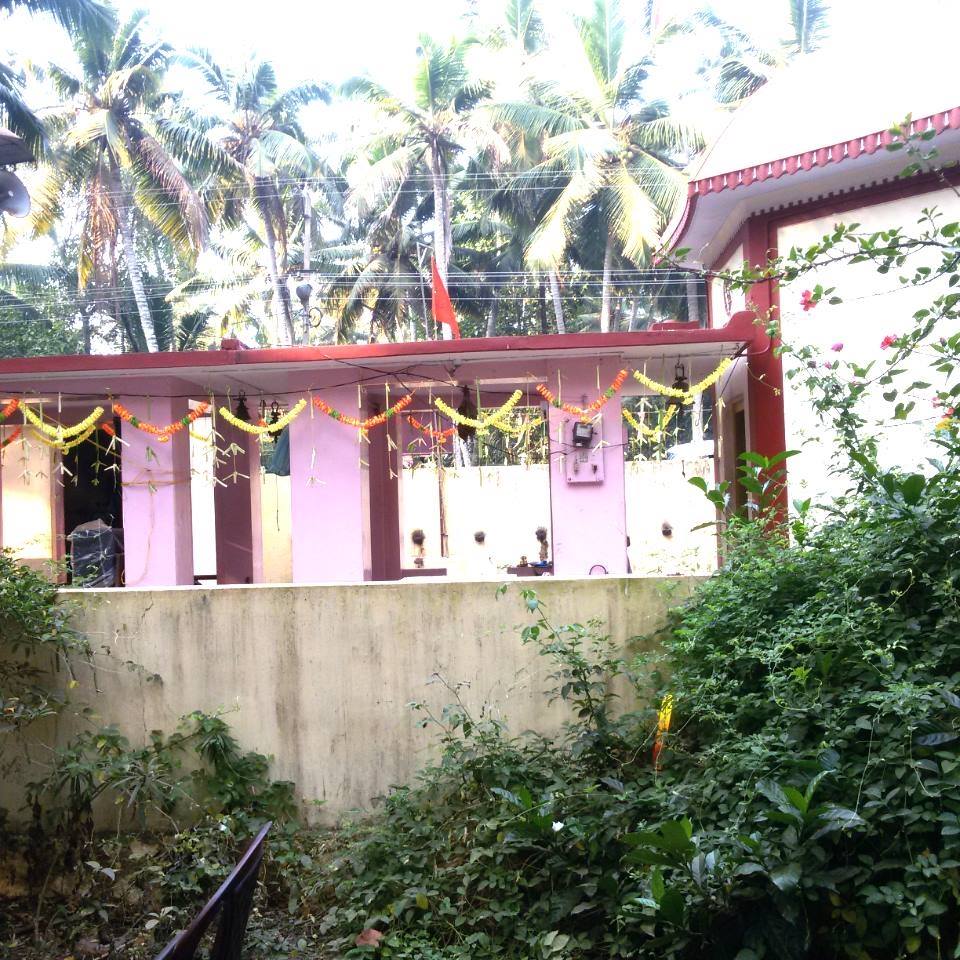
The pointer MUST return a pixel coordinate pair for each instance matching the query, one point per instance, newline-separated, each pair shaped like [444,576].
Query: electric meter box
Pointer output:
[583,455]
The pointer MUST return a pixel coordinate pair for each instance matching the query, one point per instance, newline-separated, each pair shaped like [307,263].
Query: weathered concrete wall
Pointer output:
[321,676]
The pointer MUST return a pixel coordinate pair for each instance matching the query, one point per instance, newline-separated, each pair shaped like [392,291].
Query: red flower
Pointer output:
[888,341]
[807,300]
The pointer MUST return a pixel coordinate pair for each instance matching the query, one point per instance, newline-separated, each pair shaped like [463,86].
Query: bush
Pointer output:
[807,805]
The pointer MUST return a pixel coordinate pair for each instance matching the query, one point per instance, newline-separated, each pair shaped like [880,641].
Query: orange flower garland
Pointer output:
[441,435]
[13,436]
[163,434]
[9,409]
[591,410]
[364,425]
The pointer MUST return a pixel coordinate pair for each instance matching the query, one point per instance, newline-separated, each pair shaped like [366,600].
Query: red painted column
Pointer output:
[236,504]
[383,455]
[766,425]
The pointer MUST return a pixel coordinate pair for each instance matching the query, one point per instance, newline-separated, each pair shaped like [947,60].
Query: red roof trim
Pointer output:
[835,153]
[426,349]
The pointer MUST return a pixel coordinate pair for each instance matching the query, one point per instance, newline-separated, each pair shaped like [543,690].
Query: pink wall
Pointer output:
[330,532]
[588,519]
[157,527]
[236,500]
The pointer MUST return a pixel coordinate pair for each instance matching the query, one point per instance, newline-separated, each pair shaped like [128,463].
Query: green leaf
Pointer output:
[912,488]
[786,876]
[672,908]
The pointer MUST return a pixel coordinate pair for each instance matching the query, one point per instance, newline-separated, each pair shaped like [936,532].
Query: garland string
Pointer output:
[364,425]
[258,430]
[491,420]
[588,412]
[685,395]
[162,434]
[58,431]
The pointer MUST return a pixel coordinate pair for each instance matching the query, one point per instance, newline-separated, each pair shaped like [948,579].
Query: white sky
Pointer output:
[332,41]
[328,41]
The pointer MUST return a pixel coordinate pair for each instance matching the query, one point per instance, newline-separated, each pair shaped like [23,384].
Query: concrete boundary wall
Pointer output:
[321,676]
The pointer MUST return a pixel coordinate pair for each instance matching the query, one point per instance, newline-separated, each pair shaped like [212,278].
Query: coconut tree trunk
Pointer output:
[282,313]
[493,314]
[542,306]
[634,307]
[557,301]
[128,239]
[606,291]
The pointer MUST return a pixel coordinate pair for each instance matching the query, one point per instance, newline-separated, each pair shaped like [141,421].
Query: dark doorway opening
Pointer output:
[92,487]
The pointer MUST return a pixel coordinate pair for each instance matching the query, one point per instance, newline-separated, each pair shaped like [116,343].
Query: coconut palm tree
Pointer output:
[113,152]
[745,65]
[75,16]
[262,158]
[428,131]
[618,153]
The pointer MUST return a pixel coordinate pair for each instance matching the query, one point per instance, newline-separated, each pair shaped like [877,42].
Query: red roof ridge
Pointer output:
[820,157]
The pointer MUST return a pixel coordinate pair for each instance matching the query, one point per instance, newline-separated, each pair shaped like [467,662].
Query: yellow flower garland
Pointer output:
[652,433]
[257,431]
[60,432]
[493,420]
[685,395]
[65,446]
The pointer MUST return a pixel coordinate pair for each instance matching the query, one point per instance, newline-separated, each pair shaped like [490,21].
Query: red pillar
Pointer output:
[766,424]
[236,504]
[383,455]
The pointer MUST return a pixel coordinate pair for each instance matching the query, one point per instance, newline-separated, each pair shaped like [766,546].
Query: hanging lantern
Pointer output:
[467,408]
[680,382]
[242,412]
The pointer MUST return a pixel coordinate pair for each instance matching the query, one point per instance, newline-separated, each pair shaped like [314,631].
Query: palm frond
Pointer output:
[166,196]
[219,82]
[549,241]
[75,16]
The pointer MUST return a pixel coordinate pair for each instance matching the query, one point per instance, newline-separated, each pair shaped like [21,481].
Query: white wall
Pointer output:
[27,494]
[719,312]
[874,306]
[509,503]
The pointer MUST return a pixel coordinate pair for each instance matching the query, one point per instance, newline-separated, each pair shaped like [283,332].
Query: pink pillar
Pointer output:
[236,504]
[157,521]
[328,494]
[587,484]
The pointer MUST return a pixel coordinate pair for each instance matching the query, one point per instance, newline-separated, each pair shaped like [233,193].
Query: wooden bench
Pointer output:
[232,901]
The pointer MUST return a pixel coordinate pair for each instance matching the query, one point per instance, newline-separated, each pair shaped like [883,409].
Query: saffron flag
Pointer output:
[442,307]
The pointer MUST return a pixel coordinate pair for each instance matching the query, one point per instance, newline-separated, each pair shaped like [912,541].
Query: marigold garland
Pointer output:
[9,409]
[588,412]
[258,430]
[685,395]
[491,420]
[364,425]
[13,436]
[440,435]
[60,432]
[163,434]
[652,433]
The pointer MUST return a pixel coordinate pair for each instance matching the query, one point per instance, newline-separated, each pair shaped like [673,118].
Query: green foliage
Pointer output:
[36,647]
